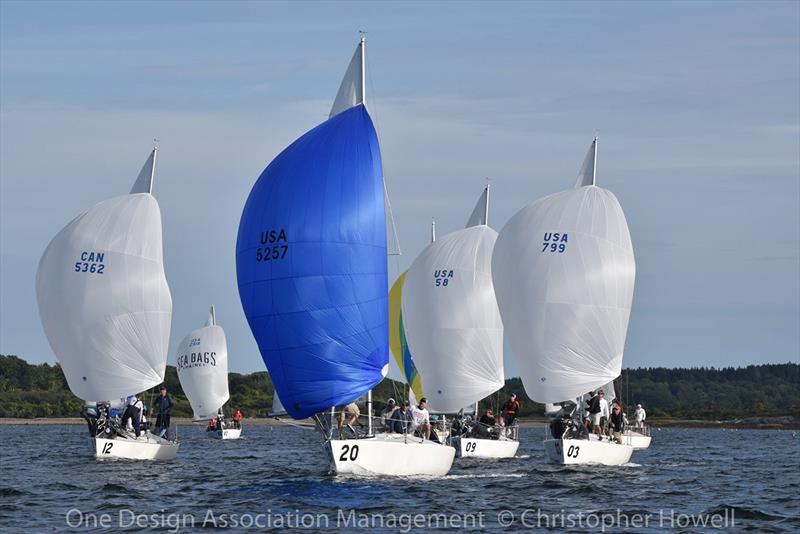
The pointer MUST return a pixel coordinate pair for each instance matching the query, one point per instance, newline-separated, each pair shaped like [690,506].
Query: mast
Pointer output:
[486,209]
[153,169]
[363,69]
[433,230]
[369,412]
[594,163]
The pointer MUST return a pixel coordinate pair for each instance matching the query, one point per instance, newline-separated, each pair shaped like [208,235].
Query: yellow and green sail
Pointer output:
[397,338]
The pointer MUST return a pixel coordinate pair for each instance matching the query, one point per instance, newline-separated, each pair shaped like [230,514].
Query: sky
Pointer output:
[697,106]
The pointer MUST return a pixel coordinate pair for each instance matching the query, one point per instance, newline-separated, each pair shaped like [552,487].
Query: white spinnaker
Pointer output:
[566,313]
[104,301]
[202,362]
[452,322]
[351,91]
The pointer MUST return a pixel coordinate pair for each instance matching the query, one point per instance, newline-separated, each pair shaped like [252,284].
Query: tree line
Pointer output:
[28,390]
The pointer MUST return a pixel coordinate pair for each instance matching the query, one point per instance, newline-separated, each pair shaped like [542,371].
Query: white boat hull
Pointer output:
[226,433]
[637,439]
[587,452]
[391,455]
[147,447]
[485,448]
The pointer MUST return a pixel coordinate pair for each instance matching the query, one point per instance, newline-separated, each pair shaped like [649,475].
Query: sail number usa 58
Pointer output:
[554,242]
[273,245]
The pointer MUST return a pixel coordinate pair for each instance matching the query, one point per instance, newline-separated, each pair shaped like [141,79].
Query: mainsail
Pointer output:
[103,297]
[452,321]
[311,265]
[397,338]
[202,362]
[563,271]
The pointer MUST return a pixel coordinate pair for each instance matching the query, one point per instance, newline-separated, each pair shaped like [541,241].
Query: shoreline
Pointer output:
[764,423]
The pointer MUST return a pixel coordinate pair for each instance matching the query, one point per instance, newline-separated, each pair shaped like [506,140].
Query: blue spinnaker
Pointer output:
[311,265]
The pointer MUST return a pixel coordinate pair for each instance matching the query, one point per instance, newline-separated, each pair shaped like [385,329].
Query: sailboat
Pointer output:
[563,271]
[454,327]
[202,363]
[106,309]
[311,261]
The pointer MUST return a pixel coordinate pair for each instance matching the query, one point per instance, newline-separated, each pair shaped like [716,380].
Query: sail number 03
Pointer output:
[353,453]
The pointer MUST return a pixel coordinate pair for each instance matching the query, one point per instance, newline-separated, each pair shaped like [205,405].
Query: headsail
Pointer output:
[103,298]
[202,363]
[480,215]
[277,406]
[144,182]
[588,172]
[312,268]
[351,91]
[453,324]
[563,271]
[397,338]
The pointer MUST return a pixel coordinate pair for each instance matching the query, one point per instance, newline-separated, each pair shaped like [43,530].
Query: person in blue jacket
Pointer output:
[163,407]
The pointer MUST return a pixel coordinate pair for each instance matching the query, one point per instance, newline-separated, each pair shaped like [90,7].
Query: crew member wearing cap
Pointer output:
[163,407]
[641,415]
[386,414]
[510,411]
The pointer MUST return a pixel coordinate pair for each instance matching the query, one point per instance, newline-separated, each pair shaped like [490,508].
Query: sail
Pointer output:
[563,271]
[480,215]
[397,338]
[202,363]
[277,406]
[103,298]
[311,265]
[144,182]
[588,172]
[452,321]
[351,91]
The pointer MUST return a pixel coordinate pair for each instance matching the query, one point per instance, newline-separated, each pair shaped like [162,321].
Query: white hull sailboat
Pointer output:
[453,327]
[590,451]
[311,261]
[202,363]
[106,308]
[564,273]
[484,448]
[390,455]
[639,439]
[146,447]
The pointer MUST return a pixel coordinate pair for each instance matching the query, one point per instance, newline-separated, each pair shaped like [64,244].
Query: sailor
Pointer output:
[641,415]
[237,419]
[592,408]
[386,414]
[133,413]
[601,417]
[617,423]
[402,419]
[422,419]
[510,411]
[163,407]
[351,412]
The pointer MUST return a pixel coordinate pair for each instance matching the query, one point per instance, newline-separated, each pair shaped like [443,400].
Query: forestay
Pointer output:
[563,271]
[452,321]
[202,363]
[103,298]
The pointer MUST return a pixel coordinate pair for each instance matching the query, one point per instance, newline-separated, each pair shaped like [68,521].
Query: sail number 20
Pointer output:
[348,449]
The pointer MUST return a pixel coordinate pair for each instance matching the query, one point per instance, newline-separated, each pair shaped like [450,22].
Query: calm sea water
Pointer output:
[276,477]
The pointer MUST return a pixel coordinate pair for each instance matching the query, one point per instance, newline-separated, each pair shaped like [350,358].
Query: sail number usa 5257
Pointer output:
[273,245]
[91,262]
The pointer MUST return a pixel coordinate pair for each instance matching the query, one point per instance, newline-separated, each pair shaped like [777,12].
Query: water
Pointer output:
[276,476]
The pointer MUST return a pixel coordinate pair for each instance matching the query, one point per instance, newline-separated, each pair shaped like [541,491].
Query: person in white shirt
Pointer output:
[422,419]
[641,415]
[600,418]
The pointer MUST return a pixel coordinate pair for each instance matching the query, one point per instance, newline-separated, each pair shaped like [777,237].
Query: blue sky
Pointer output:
[696,105]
